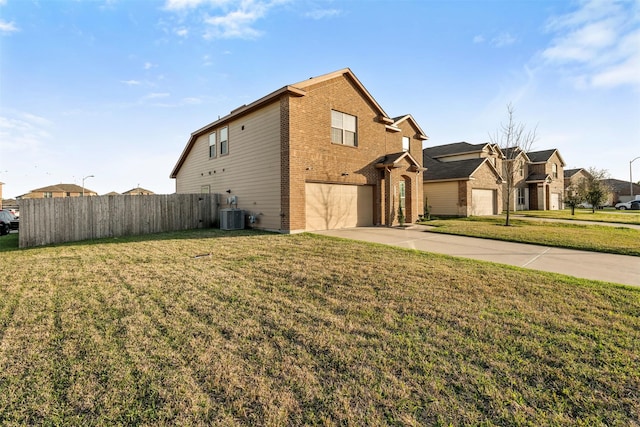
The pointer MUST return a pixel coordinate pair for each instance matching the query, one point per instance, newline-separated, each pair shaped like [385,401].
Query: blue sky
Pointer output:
[114,88]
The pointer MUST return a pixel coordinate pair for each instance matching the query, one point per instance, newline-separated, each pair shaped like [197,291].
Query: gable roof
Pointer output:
[62,188]
[409,118]
[458,148]
[540,177]
[453,171]
[296,89]
[393,161]
[568,173]
[544,156]
[138,190]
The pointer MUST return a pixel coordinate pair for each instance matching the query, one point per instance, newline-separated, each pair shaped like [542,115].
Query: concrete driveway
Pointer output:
[588,265]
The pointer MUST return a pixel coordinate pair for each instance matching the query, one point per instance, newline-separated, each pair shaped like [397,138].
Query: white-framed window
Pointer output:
[554,169]
[205,189]
[47,194]
[212,145]
[401,187]
[406,143]
[344,129]
[521,169]
[224,141]
[520,195]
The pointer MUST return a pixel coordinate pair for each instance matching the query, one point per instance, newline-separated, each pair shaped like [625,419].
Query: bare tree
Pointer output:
[514,139]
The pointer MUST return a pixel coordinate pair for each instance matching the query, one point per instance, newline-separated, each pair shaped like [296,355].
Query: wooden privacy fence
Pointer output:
[71,219]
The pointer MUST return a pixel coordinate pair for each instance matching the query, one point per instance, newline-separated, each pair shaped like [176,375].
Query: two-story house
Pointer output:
[317,154]
[58,190]
[545,180]
[463,179]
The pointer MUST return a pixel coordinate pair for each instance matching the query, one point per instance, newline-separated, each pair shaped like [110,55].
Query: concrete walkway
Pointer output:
[574,221]
[588,265]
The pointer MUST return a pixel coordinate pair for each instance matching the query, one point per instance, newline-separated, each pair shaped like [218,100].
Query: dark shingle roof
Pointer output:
[568,173]
[540,156]
[621,187]
[537,177]
[454,148]
[461,169]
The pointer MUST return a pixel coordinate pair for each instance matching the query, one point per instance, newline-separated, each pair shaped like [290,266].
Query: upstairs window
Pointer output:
[343,129]
[212,145]
[554,169]
[405,143]
[224,141]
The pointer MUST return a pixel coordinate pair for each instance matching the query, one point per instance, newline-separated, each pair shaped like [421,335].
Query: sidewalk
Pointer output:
[622,269]
[574,221]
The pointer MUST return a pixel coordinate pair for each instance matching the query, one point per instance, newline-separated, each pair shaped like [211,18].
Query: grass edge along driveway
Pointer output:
[242,328]
[591,237]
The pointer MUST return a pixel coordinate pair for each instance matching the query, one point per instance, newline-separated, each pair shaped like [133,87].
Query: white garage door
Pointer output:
[482,202]
[331,206]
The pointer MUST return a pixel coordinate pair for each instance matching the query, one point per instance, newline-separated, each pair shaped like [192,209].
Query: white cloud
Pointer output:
[8,27]
[149,65]
[598,45]
[220,19]
[503,39]
[236,24]
[156,95]
[322,13]
[191,101]
[23,133]
[130,82]
[478,39]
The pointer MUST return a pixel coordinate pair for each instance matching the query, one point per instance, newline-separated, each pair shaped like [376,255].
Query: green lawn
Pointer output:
[591,237]
[600,215]
[247,328]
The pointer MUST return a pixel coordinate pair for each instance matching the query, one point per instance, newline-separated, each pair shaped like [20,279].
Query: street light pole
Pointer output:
[91,176]
[631,177]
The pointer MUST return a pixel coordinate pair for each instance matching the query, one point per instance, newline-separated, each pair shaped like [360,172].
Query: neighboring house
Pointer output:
[318,154]
[1,184]
[463,179]
[58,190]
[520,189]
[621,190]
[138,191]
[573,177]
[545,180]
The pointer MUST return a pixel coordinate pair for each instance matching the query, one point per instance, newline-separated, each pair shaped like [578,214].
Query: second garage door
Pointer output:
[483,202]
[331,206]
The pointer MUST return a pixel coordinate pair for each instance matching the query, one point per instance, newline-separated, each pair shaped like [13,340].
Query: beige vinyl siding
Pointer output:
[251,170]
[442,197]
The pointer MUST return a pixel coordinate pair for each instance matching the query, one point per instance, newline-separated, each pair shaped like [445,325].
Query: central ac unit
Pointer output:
[231,219]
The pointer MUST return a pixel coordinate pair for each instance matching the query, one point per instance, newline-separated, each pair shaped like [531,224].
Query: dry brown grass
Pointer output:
[291,330]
